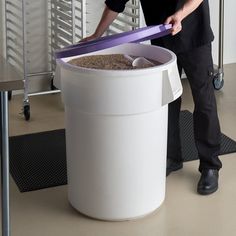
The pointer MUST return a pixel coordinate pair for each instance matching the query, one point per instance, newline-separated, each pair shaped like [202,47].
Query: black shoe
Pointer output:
[173,165]
[208,182]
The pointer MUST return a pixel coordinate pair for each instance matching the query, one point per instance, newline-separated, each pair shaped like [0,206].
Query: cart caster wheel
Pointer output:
[9,95]
[27,112]
[218,83]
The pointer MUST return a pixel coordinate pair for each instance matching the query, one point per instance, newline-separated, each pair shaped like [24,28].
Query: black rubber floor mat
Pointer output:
[189,150]
[38,160]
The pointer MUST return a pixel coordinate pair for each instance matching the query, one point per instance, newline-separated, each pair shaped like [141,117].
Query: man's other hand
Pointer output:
[175,20]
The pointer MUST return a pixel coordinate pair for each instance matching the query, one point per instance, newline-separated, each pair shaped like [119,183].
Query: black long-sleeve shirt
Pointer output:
[196,30]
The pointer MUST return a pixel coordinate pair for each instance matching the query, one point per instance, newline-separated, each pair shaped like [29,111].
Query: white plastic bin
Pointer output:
[116,133]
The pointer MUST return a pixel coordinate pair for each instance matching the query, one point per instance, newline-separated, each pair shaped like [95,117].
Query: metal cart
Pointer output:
[36,28]
[27,42]
[218,80]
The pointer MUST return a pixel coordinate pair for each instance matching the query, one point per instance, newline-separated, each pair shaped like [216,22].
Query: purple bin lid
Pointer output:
[134,36]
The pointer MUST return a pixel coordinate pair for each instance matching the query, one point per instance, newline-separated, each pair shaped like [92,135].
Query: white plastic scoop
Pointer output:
[139,61]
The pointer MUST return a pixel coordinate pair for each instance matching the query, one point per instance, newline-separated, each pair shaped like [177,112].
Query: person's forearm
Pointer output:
[108,17]
[176,19]
[189,7]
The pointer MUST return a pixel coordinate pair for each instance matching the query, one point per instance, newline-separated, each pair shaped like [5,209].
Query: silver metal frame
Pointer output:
[218,80]
[16,31]
[221,36]
[62,31]
[5,164]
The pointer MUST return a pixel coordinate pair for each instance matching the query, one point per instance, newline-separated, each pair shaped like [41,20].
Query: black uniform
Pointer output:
[193,49]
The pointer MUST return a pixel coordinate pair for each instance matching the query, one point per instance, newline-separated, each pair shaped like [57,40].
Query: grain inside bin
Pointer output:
[109,62]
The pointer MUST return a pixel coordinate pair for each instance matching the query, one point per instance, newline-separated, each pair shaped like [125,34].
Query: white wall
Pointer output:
[229,30]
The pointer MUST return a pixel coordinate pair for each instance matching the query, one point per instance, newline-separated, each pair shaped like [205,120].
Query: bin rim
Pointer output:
[132,72]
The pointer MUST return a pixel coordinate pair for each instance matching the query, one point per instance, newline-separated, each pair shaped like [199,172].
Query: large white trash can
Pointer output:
[116,133]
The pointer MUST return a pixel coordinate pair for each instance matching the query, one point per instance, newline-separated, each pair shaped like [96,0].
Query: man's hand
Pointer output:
[89,38]
[184,11]
[175,20]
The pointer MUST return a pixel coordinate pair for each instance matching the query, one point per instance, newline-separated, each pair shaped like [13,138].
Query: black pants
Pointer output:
[198,67]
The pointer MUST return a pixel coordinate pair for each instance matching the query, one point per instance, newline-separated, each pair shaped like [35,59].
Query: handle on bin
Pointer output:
[134,36]
[171,85]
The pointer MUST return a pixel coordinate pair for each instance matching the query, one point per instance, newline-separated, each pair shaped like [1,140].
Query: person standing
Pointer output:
[191,42]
